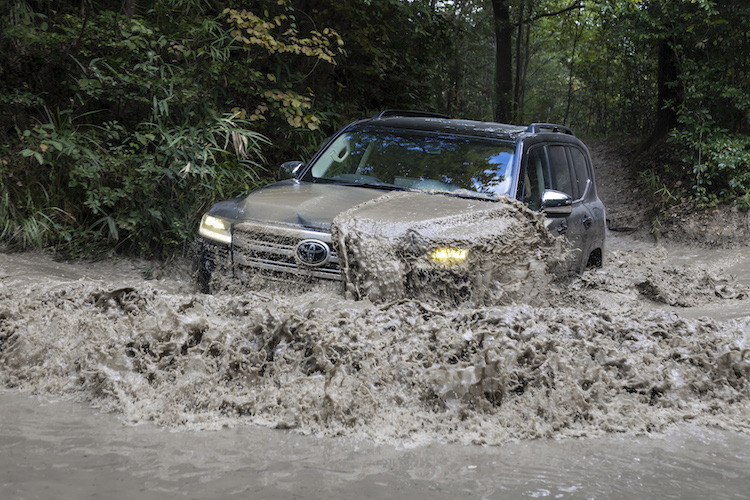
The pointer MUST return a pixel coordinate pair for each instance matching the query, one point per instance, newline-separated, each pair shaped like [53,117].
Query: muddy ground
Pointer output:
[624,348]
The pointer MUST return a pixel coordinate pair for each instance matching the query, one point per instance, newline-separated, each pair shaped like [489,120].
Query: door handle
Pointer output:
[562,228]
[587,221]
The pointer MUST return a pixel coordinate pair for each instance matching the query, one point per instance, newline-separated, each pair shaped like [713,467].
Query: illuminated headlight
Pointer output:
[216,228]
[448,256]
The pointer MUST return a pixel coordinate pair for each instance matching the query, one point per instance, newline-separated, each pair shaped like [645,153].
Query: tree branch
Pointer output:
[573,6]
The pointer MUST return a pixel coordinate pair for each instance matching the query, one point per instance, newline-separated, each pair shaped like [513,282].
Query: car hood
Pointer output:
[316,205]
[290,202]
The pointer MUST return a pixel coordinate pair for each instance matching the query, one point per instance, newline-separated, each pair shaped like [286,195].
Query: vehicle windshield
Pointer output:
[425,161]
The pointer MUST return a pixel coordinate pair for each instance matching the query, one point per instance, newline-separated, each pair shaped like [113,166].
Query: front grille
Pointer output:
[271,250]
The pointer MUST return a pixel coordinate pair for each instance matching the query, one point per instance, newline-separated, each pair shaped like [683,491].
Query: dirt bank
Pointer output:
[631,208]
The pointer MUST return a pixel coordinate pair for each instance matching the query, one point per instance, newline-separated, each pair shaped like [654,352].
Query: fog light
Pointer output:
[449,255]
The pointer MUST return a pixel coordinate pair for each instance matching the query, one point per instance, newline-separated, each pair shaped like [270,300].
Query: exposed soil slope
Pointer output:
[632,208]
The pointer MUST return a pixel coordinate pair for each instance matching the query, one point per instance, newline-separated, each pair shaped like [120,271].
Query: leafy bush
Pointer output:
[88,189]
[718,161]
[712,48]
[135,124]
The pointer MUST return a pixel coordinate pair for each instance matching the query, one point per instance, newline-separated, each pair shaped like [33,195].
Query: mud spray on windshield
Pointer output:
[549,358]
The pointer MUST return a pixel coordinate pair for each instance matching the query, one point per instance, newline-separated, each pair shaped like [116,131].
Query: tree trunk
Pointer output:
[455,83]
[503,61]
[519,63]
[579,33]
[128,8]
[525,68]
[669,95]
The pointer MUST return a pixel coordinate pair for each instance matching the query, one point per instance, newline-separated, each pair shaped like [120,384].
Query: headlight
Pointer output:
[216,228]
[449,256]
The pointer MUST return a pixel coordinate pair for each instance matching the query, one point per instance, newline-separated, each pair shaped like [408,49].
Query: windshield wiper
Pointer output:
[373,185]
[478,196]
[454,194]
[392,187]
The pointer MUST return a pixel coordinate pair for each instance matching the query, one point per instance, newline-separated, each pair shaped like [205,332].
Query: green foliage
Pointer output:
[86,189]
[251,29]
[719,162]
[712,135]
[708,92]
[120,122]
[395,53]
[651,179]
[143,124]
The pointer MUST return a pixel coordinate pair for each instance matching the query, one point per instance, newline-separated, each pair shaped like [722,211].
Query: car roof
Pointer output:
[448,126]
[432,122]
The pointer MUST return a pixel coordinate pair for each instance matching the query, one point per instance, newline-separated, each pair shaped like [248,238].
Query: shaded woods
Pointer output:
[121,120]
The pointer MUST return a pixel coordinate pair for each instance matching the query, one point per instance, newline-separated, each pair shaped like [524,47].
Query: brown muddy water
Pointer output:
[630,381]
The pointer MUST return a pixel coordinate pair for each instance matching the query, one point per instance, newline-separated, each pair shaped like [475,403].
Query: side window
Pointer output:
[536,178]
[580,167]
[558,162]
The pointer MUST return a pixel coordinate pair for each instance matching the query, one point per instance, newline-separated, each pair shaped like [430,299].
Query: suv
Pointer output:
[284,230]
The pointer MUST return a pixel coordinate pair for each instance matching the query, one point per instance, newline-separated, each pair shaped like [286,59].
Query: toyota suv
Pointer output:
[284,230]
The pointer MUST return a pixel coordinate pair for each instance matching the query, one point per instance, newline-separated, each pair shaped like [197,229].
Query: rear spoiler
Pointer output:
[535,128]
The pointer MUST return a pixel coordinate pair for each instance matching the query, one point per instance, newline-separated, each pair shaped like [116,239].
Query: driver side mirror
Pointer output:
[288,169]
[556,203]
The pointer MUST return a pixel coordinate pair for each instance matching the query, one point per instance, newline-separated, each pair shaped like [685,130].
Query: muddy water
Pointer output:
[633,380]
[63,450]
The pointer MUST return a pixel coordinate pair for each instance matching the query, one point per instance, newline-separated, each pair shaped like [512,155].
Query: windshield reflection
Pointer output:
[460,165]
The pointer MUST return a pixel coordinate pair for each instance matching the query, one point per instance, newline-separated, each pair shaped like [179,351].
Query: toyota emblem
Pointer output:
[312,253]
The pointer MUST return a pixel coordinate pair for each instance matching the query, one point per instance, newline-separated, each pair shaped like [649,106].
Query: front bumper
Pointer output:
[268,252]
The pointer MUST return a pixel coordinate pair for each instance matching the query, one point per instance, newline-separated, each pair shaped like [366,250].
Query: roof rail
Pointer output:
[538,127]
[409,114]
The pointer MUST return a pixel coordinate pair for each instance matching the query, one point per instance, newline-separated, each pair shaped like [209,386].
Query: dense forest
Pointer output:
[122,120]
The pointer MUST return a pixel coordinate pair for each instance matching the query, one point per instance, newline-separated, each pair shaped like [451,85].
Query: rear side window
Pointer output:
[561,178]
[580,167]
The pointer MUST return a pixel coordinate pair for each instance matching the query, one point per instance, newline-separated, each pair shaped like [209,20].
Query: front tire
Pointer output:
[205,265]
